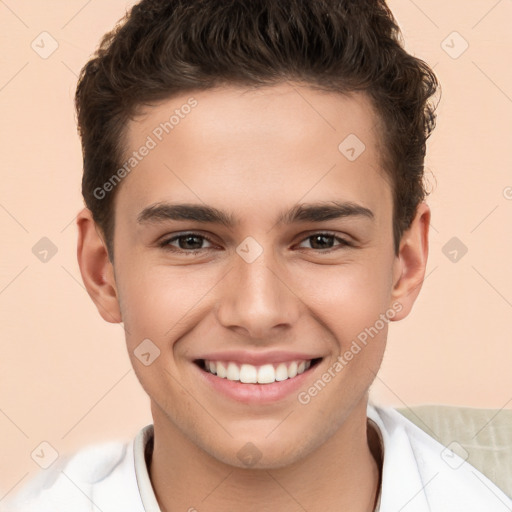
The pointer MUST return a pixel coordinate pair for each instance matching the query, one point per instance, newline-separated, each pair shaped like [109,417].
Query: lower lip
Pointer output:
[256,393]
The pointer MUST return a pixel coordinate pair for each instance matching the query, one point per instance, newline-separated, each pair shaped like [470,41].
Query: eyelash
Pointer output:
[165,243]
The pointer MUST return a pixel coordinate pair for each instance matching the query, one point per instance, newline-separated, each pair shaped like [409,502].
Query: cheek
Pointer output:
[154,298]
[347,297]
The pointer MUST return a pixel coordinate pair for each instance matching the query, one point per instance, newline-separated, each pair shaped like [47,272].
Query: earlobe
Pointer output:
[410,264]
[96,269]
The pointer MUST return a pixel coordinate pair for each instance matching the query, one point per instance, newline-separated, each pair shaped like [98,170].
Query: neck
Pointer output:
[341,474]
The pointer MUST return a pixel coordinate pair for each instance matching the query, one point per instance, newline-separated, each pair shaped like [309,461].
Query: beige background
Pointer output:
[65,376]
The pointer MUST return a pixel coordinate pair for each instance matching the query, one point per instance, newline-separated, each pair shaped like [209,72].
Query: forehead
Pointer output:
[271,145]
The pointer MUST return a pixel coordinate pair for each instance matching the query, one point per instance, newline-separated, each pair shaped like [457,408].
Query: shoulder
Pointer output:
[70,482]
[438,473]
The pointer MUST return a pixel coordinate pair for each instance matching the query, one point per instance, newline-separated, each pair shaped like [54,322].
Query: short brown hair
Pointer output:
[162,48]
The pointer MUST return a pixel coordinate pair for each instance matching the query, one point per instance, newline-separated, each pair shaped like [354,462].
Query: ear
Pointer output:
[96,269]
[410,264]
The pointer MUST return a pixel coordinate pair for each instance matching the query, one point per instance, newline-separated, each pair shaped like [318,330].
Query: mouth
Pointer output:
[268,373]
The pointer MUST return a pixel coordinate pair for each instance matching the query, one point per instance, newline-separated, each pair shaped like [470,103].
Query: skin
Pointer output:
[255,153]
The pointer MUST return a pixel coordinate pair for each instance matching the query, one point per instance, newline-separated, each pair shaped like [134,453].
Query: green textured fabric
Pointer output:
[483,437]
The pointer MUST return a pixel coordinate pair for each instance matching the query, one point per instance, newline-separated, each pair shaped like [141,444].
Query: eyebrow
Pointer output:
[313,212]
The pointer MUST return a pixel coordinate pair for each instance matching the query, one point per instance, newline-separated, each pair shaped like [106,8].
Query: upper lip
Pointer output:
[258,358]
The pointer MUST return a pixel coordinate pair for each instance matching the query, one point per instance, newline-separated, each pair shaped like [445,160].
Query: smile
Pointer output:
[251,374]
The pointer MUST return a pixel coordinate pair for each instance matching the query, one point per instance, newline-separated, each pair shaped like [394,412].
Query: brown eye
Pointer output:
[188,243]
[324,241]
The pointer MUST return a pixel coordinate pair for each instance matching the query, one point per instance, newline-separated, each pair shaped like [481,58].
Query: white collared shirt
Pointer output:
[113,476]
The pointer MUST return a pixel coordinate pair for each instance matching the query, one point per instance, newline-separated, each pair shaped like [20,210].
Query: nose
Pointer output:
[257,299]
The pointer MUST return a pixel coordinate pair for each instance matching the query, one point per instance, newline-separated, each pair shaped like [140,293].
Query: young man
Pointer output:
[256,218]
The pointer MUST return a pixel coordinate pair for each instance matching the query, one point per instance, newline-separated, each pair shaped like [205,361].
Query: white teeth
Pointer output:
[233,372]
[250,374]
[266,374]
[281,372]
[292,370]
[221,370]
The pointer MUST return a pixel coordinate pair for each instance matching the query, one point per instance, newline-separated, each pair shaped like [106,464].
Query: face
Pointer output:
[279,260]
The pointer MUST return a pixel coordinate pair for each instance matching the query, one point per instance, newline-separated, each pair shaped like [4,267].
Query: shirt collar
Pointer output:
[142,451]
